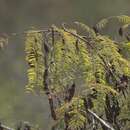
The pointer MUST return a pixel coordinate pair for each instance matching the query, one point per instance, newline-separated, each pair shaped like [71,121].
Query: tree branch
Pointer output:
[5,127]
[92,47]
[100,120]
[46,79]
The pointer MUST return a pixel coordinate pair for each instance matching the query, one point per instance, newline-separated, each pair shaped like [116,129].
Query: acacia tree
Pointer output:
[85,75]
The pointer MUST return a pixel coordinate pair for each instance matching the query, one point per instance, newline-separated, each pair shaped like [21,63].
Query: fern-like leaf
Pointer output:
[87,29]
[34,58]
[123,19]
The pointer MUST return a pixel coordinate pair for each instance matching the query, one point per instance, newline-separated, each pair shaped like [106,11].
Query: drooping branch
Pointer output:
[46,79]
[70,93]
[77,36]
[86,40]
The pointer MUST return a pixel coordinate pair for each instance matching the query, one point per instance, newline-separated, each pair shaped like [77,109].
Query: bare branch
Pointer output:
[5,127]
[100,120]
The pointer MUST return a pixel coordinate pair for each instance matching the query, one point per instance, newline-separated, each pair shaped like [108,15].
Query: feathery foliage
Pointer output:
[34,58]
[81,73]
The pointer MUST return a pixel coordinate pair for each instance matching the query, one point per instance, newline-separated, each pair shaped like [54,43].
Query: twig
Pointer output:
[76,35]
[30,31]
[5,127]
[92,47]
[100,119]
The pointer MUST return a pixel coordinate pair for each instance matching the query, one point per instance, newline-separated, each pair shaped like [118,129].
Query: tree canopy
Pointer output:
[84,73]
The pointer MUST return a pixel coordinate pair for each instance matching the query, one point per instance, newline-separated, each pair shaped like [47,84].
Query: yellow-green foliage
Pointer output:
[77,114]
[123,19]
[34,58]
[76,111]
[71,61]
[87,29]
[110,52]
[63,68]
[125,49]
[95,61]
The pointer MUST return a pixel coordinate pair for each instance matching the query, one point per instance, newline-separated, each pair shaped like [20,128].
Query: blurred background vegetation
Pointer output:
[19,15]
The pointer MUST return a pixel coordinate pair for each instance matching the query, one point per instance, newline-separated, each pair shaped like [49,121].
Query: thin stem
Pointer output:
[100,120]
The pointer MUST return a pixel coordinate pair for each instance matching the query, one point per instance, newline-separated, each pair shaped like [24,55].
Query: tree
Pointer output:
[85,75]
